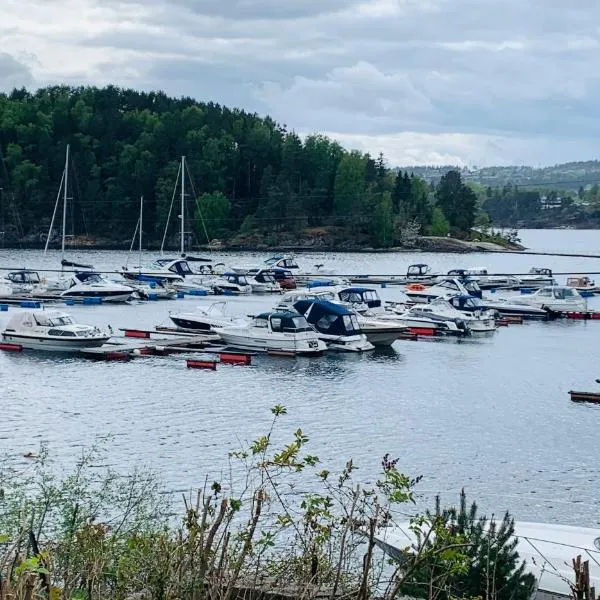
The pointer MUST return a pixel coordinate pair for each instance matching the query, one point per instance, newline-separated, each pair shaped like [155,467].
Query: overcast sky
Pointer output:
[474,82]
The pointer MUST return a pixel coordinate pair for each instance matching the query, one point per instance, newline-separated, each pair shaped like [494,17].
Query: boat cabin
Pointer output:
[329,318]
[43,318]
[418,270]
[88,277]
[357,295]
[580,282]
[236,278]
[540,271]
[265,276]
[467,303]
[557,292]
[283,262]
[24,277]
[282,322]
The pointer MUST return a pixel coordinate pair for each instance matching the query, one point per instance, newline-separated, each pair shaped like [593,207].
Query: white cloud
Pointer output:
[464,81]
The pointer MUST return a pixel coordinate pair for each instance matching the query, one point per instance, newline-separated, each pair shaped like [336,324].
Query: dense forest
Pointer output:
[249,180]
[246,176]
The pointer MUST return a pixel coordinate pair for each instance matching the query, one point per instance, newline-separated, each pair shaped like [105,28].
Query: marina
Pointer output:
[432,395]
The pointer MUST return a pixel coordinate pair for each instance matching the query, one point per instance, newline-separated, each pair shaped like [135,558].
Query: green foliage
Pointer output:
[383,224]
[439,224]
[457,201]
[212,216]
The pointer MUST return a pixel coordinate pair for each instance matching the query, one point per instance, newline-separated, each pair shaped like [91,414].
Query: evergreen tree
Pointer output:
[457,201]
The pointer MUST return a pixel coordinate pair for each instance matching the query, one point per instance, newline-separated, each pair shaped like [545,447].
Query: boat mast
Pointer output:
[141,214]
[182,205]
[64,216]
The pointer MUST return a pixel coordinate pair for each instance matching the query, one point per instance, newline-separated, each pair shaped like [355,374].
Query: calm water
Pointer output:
[491,413]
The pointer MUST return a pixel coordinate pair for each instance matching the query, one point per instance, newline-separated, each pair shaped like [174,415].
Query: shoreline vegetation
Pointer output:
[95,534]
[251,182]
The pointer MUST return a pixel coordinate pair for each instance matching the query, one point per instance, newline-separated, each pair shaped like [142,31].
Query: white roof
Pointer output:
[33,318]
[548,551]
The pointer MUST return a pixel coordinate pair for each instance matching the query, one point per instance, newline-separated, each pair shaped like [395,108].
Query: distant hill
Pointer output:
[567,176]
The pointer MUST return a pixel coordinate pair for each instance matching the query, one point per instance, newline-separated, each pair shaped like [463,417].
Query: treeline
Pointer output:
[248,175]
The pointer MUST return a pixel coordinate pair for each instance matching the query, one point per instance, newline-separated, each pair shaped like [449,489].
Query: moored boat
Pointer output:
[52,331]
[276,331]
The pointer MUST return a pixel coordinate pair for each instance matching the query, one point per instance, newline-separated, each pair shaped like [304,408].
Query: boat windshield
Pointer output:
[351,323]
[89,278]
[290,324]
[563,293]
[53,320]
[163,262]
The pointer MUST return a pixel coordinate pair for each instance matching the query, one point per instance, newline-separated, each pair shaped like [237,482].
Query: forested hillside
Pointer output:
[249,176]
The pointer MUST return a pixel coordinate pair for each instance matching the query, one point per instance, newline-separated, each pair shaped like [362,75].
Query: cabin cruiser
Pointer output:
[51,330]
[476,321]
[503,306]
[378,331]
[420,318]
[584,285]
[212,318]
[154,290]
[24,282]
[231,284]
[335,325]
[554,298]
[263,281]
[174,271]
[88,284]
[420,273]
[302,277]
[420,293]
[484,280]
[279,331]
[538,277]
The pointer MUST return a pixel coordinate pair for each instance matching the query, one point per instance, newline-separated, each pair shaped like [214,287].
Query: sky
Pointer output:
[461,82]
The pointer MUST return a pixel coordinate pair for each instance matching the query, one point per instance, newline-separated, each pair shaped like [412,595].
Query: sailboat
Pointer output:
[83,282]
[154,288]
[175,271]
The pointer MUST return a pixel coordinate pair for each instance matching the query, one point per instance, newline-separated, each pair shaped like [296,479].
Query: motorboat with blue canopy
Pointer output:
[335,324]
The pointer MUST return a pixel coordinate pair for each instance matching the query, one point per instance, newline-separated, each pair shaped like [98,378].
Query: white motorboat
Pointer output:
[484,279]
[154,290]
[24,282]
[317,275]
[175,272]
[584,285]
[263,281]
[423,319]
[274,332]
[420,273]
[476,321]
[53,331]
[556,298]
[212,318]
[335,325]
[88,284]
[538,277]
[231,284]
[420,293]
[502,306]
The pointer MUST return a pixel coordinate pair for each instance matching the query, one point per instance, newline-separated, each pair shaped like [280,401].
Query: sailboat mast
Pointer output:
[182,205]
[141,215]
[64,216]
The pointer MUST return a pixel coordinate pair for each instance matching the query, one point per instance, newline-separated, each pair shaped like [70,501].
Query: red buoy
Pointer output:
[11,347]
[235,359]
[202,364]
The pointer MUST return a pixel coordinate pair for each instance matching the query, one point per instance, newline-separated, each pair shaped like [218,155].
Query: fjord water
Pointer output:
[490,413]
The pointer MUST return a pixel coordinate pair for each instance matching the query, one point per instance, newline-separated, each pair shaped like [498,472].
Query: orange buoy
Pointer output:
[415,287]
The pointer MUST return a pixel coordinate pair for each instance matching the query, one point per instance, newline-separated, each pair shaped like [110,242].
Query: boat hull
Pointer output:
[56,344]
[272,343]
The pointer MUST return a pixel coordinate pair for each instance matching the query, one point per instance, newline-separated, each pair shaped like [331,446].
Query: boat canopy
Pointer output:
[285,321]
[558,292]
[329,318]
[24,277]
[68,263]
[42,318]
[367,296]
[88,277]
[466,302]
[418,269]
